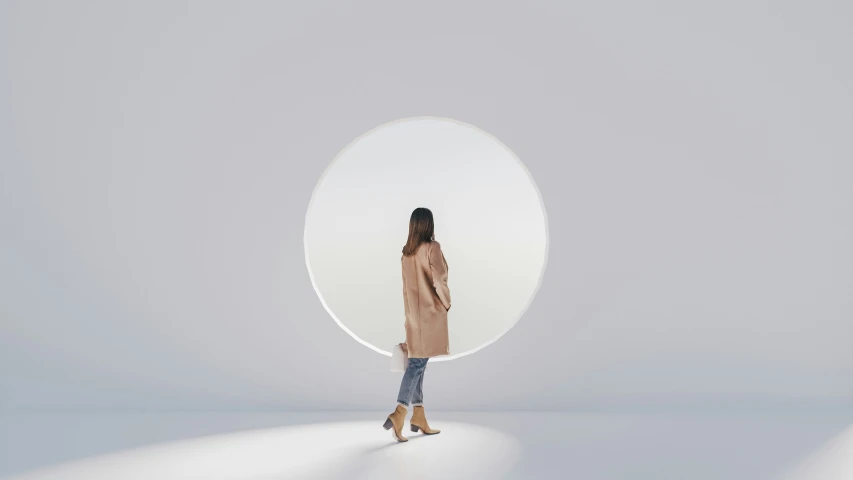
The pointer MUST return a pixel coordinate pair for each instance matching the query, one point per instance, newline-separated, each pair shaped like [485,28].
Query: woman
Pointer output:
[426,300]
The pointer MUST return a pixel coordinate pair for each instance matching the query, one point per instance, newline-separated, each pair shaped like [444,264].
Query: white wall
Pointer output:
[158,159]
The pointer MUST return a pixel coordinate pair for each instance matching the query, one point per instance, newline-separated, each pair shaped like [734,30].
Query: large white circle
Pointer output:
[489,219]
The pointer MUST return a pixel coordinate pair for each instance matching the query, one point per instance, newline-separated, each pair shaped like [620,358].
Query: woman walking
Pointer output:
[426,300]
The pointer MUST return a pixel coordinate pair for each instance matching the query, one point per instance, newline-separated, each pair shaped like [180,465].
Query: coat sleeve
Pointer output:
[438,266]
[405,301]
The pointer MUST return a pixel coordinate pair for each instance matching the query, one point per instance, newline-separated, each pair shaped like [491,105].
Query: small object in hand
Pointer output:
[399,358]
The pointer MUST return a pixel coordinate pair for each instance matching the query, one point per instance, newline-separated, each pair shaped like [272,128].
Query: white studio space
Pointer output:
[640,212]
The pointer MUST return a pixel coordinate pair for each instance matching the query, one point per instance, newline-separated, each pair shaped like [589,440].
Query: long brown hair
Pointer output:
[421,230]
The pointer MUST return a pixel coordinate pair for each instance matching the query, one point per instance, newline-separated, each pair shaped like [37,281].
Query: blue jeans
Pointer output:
[412,386]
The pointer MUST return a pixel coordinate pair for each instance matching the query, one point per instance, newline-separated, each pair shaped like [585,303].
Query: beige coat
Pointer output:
[426,299]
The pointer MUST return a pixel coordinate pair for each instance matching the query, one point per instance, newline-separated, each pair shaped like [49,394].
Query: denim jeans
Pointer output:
[412,386]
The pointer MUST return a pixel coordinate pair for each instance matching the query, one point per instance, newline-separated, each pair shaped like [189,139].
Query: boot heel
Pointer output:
[415,428]
[388,424]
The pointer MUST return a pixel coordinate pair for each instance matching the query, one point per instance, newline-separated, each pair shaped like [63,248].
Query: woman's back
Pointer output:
[426,299]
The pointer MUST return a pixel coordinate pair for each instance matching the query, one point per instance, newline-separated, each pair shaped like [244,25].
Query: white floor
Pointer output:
[585,446]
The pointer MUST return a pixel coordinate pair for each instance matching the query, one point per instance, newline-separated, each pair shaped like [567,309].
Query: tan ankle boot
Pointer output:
[395,421]
[419,422]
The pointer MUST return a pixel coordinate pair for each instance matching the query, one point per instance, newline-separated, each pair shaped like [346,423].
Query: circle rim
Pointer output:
[442,358]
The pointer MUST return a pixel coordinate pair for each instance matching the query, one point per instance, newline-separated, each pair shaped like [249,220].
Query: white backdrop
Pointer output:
[158,160]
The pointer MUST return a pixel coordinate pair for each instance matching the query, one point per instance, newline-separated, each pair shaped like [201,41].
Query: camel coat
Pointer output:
[426,299]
